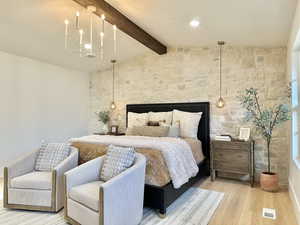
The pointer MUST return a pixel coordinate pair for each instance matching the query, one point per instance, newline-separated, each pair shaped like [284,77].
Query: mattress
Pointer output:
[157,173]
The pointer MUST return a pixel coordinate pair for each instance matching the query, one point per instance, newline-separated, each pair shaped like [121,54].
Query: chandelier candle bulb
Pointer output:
[115,40]
[91,30]
[102,37]
[77,20]
[101,44]
[66,33]
[80,41]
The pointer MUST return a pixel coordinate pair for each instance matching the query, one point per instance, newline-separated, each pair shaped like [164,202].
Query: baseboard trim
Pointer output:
[295,201]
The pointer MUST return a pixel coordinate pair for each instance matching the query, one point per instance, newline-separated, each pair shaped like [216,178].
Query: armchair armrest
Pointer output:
[69,163]
[22,165]
[84,173]
[58,175]
[125,188]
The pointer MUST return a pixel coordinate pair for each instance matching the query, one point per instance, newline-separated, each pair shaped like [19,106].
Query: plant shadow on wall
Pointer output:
[265,120]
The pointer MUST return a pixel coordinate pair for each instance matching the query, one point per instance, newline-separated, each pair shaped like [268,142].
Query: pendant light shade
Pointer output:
[220,103]
[113,106]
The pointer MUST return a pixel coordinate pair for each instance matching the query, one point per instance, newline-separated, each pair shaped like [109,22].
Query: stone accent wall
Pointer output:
[188,75]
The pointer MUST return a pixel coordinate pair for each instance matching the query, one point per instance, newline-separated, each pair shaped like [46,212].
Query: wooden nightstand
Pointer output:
[233,157]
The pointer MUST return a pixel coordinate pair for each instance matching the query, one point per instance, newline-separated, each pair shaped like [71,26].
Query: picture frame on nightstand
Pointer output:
[244,133]
[114,129]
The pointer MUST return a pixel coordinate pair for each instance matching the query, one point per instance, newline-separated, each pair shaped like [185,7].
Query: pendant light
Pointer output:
[113,105]
[220,102]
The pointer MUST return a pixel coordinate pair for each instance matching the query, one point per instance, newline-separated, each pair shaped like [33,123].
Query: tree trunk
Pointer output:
[269,160]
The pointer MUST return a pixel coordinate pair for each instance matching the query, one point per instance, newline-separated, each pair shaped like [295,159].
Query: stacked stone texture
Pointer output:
[192,75]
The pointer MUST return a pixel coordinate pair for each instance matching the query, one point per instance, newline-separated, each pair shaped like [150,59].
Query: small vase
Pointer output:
[269,181]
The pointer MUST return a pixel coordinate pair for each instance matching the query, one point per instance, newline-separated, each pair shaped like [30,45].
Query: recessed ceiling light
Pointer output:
[194,23]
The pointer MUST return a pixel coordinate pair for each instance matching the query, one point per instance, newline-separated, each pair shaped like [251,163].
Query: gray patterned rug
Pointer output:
[195,207]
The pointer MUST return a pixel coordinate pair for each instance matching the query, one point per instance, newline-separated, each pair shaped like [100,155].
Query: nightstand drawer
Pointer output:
[231,145]
[231,156]
[238,167]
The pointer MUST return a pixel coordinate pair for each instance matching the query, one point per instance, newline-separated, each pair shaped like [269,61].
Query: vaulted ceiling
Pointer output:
[34,28]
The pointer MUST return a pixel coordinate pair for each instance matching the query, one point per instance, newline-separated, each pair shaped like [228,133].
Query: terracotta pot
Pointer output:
[269,181]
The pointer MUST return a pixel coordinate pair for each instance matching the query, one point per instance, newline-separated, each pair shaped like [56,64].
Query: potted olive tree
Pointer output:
[265,121]
[103,117]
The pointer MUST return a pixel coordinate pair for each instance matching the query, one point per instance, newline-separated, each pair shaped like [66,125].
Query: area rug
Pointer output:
[195,207]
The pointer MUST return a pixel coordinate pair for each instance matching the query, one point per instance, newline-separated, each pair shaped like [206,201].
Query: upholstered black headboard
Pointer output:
[203,130]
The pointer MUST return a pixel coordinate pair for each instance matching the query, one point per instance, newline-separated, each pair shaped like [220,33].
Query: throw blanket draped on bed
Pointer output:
[177,153]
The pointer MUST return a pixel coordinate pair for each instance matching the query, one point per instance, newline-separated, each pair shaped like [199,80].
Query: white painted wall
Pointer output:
[39,101]
[294,174]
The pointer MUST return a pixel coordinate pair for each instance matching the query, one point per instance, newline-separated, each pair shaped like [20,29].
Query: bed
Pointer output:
[160,198]
[159,188]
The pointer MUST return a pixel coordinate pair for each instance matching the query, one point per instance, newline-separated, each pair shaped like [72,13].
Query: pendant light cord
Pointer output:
[220,70]
[113,82]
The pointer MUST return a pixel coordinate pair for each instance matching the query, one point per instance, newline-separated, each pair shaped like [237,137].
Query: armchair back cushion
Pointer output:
[50,155]
[117,159]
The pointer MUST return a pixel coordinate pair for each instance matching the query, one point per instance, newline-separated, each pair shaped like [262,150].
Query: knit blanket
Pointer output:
[176,152]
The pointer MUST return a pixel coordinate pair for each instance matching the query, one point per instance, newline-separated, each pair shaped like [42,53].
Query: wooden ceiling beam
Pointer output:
[113,16]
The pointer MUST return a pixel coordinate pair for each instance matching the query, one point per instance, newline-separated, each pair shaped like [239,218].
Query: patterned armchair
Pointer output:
[118,201]
[25,188]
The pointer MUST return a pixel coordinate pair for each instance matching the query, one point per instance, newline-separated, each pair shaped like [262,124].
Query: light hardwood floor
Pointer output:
[242,205]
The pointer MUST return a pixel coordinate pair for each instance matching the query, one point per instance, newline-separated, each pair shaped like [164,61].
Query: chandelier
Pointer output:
[85,34]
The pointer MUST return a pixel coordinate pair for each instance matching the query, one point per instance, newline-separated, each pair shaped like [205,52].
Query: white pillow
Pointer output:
[189,123]
[174,131]
[161,116]
[137,119]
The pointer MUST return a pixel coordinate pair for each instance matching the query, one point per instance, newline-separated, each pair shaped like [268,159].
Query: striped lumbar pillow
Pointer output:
[117,159]
[50,155]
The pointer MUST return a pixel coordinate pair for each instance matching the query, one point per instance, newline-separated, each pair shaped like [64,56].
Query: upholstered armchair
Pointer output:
[25,188]
[119,201]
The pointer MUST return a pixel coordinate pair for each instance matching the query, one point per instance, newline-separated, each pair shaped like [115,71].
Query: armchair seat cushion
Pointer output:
[33,180]
[87,194]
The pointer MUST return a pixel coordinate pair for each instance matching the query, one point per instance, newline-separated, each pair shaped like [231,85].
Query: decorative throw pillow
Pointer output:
[137,119]
[153,123]
[50,155]
[189,123]
[117,159]
[160,131]
[161,116]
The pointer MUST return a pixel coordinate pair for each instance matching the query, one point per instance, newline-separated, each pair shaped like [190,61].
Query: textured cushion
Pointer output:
[50,155]
[137,119]
[151,131]
[34,180]
[161,116]
[87,194]
[189,123]
[153,123]
[117,159]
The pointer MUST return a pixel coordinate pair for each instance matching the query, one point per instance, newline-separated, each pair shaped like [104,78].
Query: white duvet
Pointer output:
[177,153]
